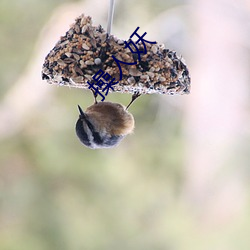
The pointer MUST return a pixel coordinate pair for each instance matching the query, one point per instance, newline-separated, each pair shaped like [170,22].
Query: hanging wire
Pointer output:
[110,16]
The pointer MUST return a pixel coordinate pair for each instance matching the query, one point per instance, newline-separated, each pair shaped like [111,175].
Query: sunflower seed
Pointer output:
[85,46]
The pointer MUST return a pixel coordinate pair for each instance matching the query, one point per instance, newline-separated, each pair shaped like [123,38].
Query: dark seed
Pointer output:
[173,73]
[63,56]
[45,77]
[65,79]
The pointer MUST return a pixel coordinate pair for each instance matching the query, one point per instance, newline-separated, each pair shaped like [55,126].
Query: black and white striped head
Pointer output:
[93,133]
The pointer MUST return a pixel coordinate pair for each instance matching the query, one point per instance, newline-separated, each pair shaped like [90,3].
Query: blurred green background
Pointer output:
[181,181]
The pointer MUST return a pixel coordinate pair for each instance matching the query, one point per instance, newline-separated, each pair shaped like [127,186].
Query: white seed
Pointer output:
[162,79]
[154,49]
[88,62]
[152,69]
[120,42]
[84,28]
[98,61]
[68,54]
[85,46]
[150,74]
[162,46]
[83,21]
[77,29]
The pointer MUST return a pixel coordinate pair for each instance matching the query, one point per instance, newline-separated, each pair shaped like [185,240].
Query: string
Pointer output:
[110,16]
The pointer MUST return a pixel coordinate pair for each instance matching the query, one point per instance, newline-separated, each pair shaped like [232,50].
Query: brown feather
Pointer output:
[111,117]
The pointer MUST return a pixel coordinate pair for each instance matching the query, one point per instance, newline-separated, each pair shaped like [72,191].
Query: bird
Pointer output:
[104,124]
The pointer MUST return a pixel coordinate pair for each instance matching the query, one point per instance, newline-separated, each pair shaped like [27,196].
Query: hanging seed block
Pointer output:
[85,49]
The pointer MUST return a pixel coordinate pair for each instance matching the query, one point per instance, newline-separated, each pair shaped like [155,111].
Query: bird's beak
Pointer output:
[82,115]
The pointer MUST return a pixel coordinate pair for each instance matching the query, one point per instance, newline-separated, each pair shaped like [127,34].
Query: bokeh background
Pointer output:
[180,182]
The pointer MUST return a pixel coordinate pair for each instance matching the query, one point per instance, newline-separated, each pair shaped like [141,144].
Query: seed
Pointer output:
[77,57]
[78,70]
[77,79]
[88,77]
[98,61]
[85,46]
[131,80]
[69,60]
[93,43]
[120,42]
[77,29]
[154,49]
[84,29]
[134,72]
[61,62]
[150,74]
[152,69]
[89,62]
[144,78]
[103,37]
[125,57]
[64,43]
[78,51]
[68,54]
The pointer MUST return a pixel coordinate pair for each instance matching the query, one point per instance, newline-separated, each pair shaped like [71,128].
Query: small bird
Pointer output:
[104,125]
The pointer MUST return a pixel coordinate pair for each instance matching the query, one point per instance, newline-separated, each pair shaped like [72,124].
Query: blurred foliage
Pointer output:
[20,23]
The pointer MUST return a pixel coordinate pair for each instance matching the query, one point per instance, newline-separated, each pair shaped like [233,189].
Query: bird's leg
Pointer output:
[134,97]
[95,95]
